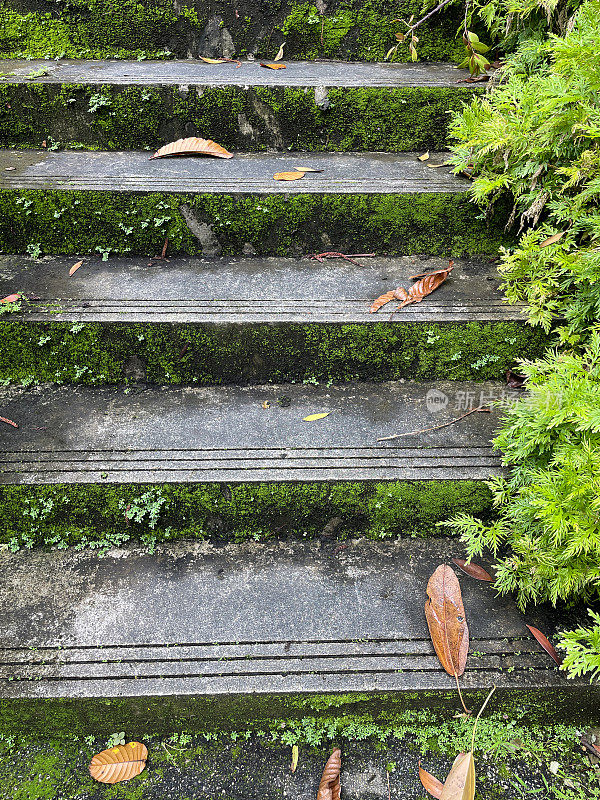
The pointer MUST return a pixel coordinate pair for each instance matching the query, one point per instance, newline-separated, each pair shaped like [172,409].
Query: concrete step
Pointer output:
[255,625]
[80,435]
[68,202]
[348,29]
[135,105]
[253,321]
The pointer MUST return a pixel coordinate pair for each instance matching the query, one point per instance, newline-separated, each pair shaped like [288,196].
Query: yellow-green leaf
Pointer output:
[294,763]
[424,157]
[313,417]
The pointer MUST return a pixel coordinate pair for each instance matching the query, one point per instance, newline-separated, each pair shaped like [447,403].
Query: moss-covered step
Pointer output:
[122,202]
[222,636]
[251,321]
[348,29]
[136,105]
[250,434]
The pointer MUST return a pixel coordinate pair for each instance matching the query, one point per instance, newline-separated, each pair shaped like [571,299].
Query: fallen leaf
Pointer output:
[437,166]
[396,294]
[119,763]
[552,239]
[288,176]
[279,55]
[266,404]
[273,66]
[554,766]
[307,169]
[329,787]
[460,783]
[430,783]
[428,284]
[424,157]
[514,380]
[294,763]
[9,169]
[9,422]
[237,63]
[474,570]
[313,417]
[446,620]
[11,298]
[74,268]
[545,643]
[192,146]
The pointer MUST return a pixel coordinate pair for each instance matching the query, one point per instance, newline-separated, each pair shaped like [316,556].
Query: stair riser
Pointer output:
[202,355]
[69,222]
[248,119]
[350,29]
[72,514]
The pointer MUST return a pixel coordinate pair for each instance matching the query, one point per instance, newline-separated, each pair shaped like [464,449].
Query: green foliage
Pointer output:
[583,649]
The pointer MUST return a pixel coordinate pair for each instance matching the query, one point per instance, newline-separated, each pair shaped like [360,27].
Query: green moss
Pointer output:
[109,117]
[105,515]
[279,224]
[350,29]
[95,353]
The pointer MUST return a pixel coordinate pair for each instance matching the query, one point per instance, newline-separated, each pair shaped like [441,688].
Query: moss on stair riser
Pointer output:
[350,29]
[67,222]
[249,119]
[96,353]
[71,515]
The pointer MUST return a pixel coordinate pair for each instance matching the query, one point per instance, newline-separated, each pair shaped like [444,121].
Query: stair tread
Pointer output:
[194,72]
[244,290]
[287,617]
[246,173]
[173,434]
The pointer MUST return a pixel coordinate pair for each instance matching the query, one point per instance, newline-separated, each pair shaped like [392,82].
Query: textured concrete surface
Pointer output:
[342,173]
[192,72]
[193,619]
[83,435]
[247,290]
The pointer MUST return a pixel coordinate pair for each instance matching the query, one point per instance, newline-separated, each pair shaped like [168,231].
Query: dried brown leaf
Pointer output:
[514,380]
[119,763]
[237,63]
[427,285]
[474,570]
[288,176]
[192,146]
[460,783]
[552,239]
[430,783]
[446,620]
[272,66]
[329,787]
[9,422]
[395,294]
[74,268]
[545,643]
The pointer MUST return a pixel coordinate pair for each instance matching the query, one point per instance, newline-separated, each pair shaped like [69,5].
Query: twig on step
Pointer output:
[321,256]
[435,427]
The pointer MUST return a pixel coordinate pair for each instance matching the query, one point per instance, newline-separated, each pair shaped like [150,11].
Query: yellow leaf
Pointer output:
[279,55]
[460,783]
[313,417]
[272,66]
[294,763]
[288,176]
[213,60]
[307,169]
[424,157]
[74,268]
[552,239]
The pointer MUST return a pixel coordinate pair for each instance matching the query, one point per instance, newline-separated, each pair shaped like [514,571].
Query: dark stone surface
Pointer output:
[249,290]
[84,435]
[364,173]
[193,619]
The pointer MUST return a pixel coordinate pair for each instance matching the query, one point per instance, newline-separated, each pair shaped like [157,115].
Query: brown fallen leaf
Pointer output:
[237,63]
[552,239]
[460,783]
[192,146]
[446,620]
[329,787]
[437,166]
[272,66]
[74,268]
[119,763]
[11,298]
[427,285]
[514,380]
[474,570]
[545,643]
[9,422]
[395,294]
[288,176]
[279,55]
[430,783]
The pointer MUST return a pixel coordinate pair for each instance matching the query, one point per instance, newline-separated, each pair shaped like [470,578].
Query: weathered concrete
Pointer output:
[191,72]
[364,173]
[249,290]
[225,434]
[269,619]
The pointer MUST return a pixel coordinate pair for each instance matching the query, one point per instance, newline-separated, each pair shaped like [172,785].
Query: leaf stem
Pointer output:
[462,702]
[435,427]
[492,690]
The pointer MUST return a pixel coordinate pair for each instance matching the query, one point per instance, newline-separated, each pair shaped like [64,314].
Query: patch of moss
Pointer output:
[106,515]
[134,118]
[96,353]
[349,29]
[279,224]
